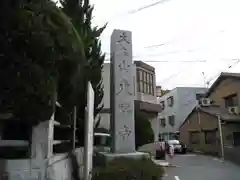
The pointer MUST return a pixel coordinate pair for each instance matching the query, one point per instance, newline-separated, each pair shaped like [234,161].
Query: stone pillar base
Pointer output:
[135,155]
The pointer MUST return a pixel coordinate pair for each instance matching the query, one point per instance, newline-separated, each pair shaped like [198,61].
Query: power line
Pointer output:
[161,54]
[215,76]
[157,45]
[157,61]
[170,77]
[148,6]
[205,82]
[170,52]
[167,61]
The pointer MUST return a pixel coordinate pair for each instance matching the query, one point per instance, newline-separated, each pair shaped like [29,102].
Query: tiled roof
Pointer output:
[222,76]
[214,110]
[222,112]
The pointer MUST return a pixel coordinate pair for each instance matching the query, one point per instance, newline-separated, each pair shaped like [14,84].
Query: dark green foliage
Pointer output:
[165,91]
[80,13]
[37,41]
[40,48]
[128,169]
[143,130]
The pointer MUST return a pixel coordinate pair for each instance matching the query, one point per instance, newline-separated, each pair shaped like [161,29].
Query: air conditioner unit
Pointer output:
[233,110]
[205,101]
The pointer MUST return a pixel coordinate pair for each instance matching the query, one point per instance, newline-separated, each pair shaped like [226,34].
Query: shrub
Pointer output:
[143,130]
[128,169]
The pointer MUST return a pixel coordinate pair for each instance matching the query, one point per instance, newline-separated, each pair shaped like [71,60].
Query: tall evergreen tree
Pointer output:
[37,40]
[80,13]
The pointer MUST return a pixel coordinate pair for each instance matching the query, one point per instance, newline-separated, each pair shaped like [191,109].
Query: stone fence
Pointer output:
[57,167]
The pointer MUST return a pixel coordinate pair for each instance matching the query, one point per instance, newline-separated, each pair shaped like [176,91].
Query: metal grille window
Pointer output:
[145,82]
[210,137]
[194,138]
[231,100]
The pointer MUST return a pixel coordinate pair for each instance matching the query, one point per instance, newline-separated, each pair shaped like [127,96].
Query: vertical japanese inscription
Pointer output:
[124,87]
[124,38]
[123,102]
[124,66]
[125,132]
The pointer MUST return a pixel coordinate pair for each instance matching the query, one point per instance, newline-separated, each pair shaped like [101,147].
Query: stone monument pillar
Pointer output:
[122,93]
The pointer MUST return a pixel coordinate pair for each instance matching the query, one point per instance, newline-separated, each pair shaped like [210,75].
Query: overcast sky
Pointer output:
[206,32]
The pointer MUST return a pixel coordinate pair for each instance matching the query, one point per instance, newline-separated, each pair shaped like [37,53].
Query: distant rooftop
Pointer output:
[220,78]
[144,65]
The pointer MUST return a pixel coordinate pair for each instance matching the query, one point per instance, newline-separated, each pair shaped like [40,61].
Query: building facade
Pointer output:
[201,129]
[144,93]
[176,105]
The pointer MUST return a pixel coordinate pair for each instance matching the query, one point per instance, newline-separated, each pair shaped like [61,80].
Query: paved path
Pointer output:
[199,167]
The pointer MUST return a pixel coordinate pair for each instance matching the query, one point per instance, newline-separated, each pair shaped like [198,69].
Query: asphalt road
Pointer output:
[199,167]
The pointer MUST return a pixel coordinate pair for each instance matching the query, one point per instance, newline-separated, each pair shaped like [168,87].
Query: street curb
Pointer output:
[173,165]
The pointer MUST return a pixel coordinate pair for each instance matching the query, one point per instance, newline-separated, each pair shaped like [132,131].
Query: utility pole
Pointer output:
[204,79]
[221,136]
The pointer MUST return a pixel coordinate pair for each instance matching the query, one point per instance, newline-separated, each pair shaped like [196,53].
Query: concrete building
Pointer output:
[176,105]
[144,93]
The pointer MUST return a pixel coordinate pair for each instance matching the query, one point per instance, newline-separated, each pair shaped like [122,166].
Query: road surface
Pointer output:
[200,167]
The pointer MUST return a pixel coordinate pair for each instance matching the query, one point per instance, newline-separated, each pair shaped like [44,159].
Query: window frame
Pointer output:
[162,103]
[171,120]
[210,142]
[145,82]
[197,134]
[231,98]
[170,101]
[163,122]
[199,96]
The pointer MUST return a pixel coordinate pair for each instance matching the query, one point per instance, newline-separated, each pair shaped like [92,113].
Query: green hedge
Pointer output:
[129,169]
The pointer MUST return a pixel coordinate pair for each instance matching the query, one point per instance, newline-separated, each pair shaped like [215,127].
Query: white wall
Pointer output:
[184,101]
[146,98]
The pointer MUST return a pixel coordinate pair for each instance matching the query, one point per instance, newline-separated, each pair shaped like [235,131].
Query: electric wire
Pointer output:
[148,6]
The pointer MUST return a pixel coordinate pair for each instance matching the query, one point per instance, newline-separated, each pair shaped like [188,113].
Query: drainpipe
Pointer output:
[198,114]
[221,136]
[199,123]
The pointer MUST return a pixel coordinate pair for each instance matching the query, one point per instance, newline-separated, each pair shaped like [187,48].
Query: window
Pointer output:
[194,138]
[141,75]
[199,96]
[236,138]
[162,105]
[145,82]
[163,122]
[231,100]
[171,120]
[210,137]
[141,86]
[170,101]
